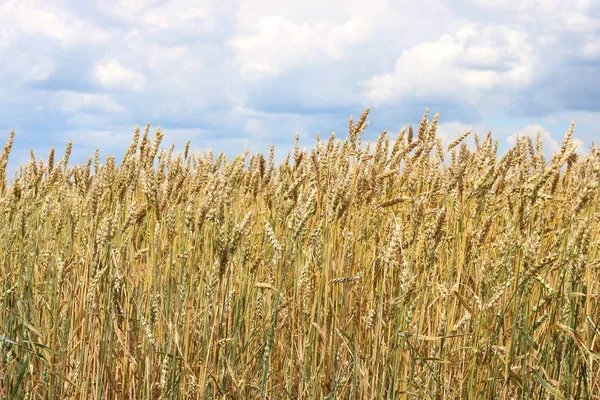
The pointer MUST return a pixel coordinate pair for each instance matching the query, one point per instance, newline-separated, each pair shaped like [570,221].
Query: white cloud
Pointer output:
[591,48]
[113,75]
[73,102]
[547,40]
[164,18]
[160,15]
[552,15]
[468,64]
[280,45]
[156,19]
[131,35]
[576,21]
[36,18]
[5,40]
[177,66]
[130,6]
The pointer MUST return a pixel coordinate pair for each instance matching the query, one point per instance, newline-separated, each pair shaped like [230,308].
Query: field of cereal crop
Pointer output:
[400,268]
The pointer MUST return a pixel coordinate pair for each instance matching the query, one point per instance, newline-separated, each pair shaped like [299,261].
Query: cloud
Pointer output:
[591,48]
[129,7]
[556,16]
[73,102]
[470,63]
[5,40]
[279,45]
[35,18]
[113,75]
[253,72]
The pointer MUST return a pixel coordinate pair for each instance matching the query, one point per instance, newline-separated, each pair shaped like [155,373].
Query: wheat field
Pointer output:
[397,269]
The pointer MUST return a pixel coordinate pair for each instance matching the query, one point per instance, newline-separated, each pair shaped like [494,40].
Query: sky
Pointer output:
[237,75]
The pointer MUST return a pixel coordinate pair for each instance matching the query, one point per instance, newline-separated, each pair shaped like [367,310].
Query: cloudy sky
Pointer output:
[235,75]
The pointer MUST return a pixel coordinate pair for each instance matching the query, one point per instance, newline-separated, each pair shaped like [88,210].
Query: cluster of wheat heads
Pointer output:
[394,269]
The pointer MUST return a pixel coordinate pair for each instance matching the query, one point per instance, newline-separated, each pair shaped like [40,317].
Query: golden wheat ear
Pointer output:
[364,267]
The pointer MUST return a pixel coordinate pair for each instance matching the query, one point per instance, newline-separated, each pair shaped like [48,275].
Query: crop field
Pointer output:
[394,269]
